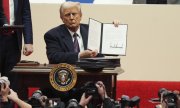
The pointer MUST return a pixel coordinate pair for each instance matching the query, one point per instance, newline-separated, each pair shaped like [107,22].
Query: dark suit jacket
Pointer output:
[8,104]
[59,44]
[22,14]
[23,17]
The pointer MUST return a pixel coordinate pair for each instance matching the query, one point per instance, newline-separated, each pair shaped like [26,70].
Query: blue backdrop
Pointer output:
[82,1]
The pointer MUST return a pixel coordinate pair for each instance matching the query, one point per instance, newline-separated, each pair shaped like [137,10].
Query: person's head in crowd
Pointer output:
[4,79]
[70,13]
[8,94]
[4,88]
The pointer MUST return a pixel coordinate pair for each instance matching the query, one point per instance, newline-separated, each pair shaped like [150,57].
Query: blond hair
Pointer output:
[69,4]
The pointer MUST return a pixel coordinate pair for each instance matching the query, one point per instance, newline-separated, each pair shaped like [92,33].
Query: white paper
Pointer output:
[94,36]
[114,39]
[106,38]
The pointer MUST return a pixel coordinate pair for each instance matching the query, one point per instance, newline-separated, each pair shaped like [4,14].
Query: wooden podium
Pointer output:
[38,76]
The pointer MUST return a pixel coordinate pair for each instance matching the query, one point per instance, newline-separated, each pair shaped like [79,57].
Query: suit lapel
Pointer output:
[67,39]
[84,34]
[15,6]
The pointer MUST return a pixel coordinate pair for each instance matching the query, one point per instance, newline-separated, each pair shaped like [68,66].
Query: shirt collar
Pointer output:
[78,32]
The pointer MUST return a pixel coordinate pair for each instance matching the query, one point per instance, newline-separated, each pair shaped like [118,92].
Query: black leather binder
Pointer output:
[98,64]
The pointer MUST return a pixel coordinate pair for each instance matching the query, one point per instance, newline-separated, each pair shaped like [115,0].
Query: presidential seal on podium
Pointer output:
[63,77]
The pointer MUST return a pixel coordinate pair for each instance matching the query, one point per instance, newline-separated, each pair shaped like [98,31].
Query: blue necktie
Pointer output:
[76,44]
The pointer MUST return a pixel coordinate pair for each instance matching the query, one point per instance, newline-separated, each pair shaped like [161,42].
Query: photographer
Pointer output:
[8,96]
[106,101]
[169,99]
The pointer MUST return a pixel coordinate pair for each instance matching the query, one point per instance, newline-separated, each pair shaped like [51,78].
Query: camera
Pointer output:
[38,100]
[54,103]
[90,89]
[35,99]
[126,102]
[169,97]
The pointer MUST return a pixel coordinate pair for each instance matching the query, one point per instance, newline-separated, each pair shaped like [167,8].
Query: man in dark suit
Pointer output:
[60,40]
[11,40]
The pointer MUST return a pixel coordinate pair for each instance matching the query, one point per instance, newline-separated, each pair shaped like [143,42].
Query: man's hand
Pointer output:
[13,96]
[101,90]
[84,101]
[88,54]
[116,23]
[28,49]
[42,100]
[4,92]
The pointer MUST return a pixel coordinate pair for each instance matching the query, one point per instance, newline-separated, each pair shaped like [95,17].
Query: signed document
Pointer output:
[106,38]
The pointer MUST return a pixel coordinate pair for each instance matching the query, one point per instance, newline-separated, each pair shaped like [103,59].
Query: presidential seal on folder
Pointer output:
[63,77]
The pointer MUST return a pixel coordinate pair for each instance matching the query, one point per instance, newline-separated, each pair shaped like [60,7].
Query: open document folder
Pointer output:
[106,38]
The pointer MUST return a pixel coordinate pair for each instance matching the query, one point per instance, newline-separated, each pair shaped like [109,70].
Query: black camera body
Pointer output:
[169,97]
[34,100]
[38,100]
[127,102]
[90,89]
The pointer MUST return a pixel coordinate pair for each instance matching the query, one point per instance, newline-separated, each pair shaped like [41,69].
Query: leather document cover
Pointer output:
[98,63]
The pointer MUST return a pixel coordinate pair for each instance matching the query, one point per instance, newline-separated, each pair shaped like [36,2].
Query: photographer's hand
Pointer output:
[101,90]
[43,100]
[14,97]
[84,101]
[177,92]
[4,92]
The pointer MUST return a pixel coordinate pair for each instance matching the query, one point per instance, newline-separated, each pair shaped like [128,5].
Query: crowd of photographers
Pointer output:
[93,96]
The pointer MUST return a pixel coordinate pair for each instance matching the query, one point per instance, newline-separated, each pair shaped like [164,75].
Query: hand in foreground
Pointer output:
[101,90]
[28,49]
[4,92]
[13,95]
[84,101]
[43,100]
